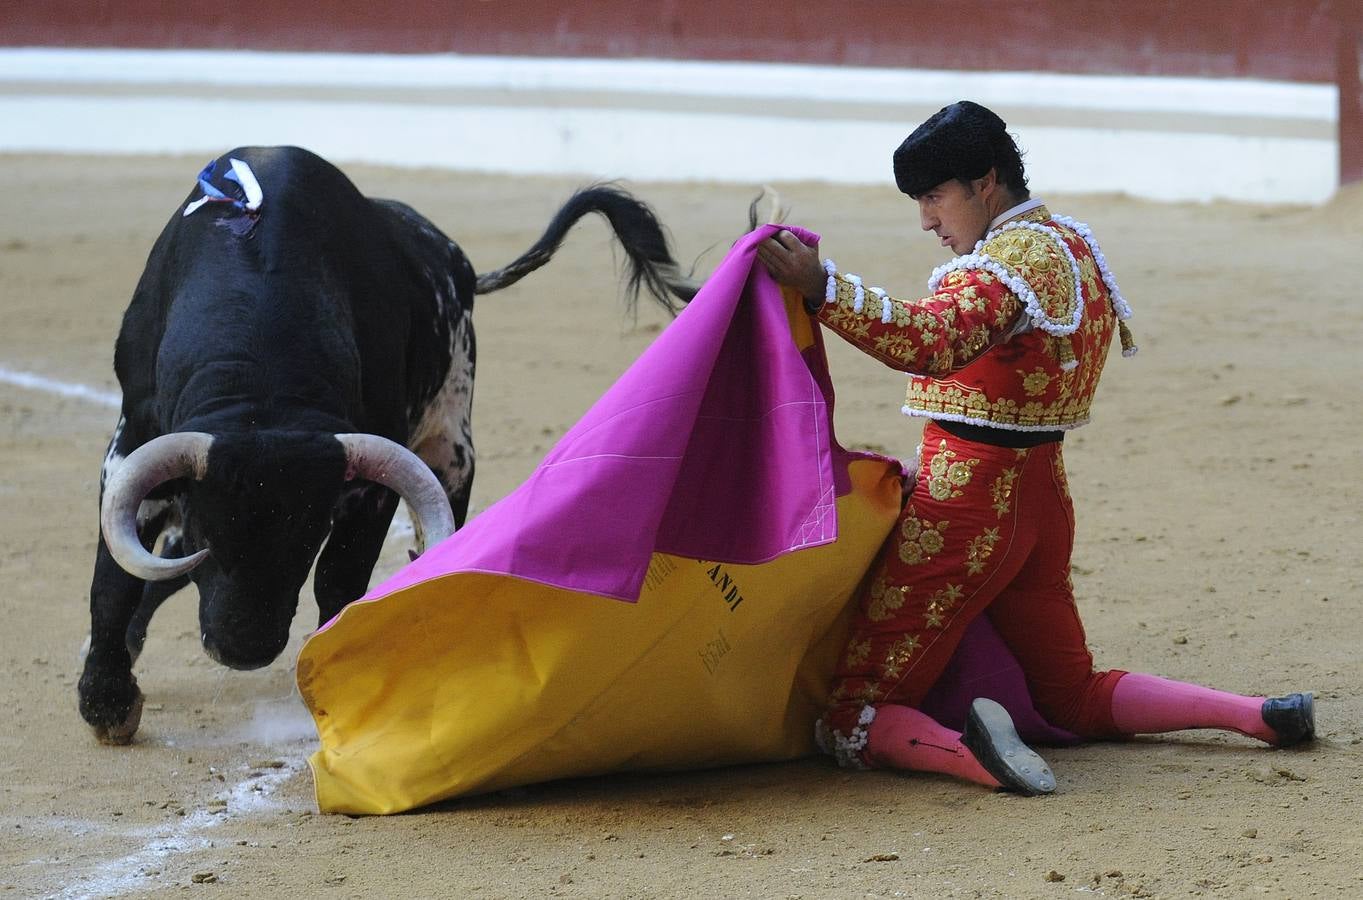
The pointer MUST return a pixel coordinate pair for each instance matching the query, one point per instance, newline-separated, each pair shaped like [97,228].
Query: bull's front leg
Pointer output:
[155,593]
[109,697]
[357,533]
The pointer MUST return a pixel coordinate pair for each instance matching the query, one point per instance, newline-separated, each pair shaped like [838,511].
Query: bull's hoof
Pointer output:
[121,733]
[110,703]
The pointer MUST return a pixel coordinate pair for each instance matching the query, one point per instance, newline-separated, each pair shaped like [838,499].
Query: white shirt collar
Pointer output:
[1022,208]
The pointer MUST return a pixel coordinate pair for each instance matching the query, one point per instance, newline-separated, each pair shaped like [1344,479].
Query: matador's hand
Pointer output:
[794,263]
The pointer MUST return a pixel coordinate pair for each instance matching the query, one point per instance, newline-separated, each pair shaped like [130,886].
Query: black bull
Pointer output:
[279,360]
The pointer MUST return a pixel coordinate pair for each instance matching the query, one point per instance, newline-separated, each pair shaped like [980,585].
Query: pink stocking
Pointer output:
[1146,704]
[904,738]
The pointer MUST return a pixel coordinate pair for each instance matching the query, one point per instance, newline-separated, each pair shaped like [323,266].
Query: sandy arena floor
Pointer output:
[1218,500]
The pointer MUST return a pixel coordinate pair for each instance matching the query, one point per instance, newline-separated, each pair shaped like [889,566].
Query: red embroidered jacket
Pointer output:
[1013,335]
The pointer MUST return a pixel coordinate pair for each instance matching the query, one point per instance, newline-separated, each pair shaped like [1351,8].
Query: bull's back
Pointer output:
[273,292]
[403,285]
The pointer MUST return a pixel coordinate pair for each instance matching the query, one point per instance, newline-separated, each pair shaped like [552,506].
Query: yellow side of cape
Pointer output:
[472,683]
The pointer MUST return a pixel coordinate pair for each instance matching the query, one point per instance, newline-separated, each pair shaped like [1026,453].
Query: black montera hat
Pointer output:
[963,140]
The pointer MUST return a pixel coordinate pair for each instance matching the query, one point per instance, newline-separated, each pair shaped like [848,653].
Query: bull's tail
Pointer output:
[651,265]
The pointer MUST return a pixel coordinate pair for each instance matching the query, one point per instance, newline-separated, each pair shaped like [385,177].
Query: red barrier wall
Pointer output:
[1279,39]
[1293,40]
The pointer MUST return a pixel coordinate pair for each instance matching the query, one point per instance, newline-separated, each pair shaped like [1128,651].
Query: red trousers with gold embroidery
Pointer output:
[986,530]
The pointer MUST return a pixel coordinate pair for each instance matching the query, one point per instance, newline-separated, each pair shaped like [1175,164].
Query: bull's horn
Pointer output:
[179,455]
[392,465]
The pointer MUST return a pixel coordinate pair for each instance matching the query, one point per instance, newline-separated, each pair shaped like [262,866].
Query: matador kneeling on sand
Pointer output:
[1004,355]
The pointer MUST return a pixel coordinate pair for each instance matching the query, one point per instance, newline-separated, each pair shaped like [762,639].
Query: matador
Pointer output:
[1004,354]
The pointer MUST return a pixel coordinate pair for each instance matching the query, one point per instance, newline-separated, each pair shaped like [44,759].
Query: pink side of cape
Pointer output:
[715,444]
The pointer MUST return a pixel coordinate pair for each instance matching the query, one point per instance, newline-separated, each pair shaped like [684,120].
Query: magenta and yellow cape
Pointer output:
[706,491]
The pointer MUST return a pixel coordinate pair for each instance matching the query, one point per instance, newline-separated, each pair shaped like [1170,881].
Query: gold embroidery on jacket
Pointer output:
[898,346]
[968,298]
[1041,261]
[976,340]
[1035,382]
[853,324]
[990,391]
[932,397]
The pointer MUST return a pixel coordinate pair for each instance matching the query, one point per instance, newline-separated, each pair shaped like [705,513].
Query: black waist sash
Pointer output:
[999,437]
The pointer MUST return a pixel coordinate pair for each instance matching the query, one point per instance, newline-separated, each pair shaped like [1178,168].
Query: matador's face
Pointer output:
[957,212]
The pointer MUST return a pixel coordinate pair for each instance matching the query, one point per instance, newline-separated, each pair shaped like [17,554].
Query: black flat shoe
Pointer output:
[989,734]
[1293,717]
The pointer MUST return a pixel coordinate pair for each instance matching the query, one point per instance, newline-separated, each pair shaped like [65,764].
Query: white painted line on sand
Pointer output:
[35,382]
[147,867]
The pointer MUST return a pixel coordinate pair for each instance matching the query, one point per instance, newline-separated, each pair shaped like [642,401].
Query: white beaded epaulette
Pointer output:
[981,261]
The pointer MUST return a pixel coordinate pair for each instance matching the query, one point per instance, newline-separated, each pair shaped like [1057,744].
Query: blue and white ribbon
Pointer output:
[240,173]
